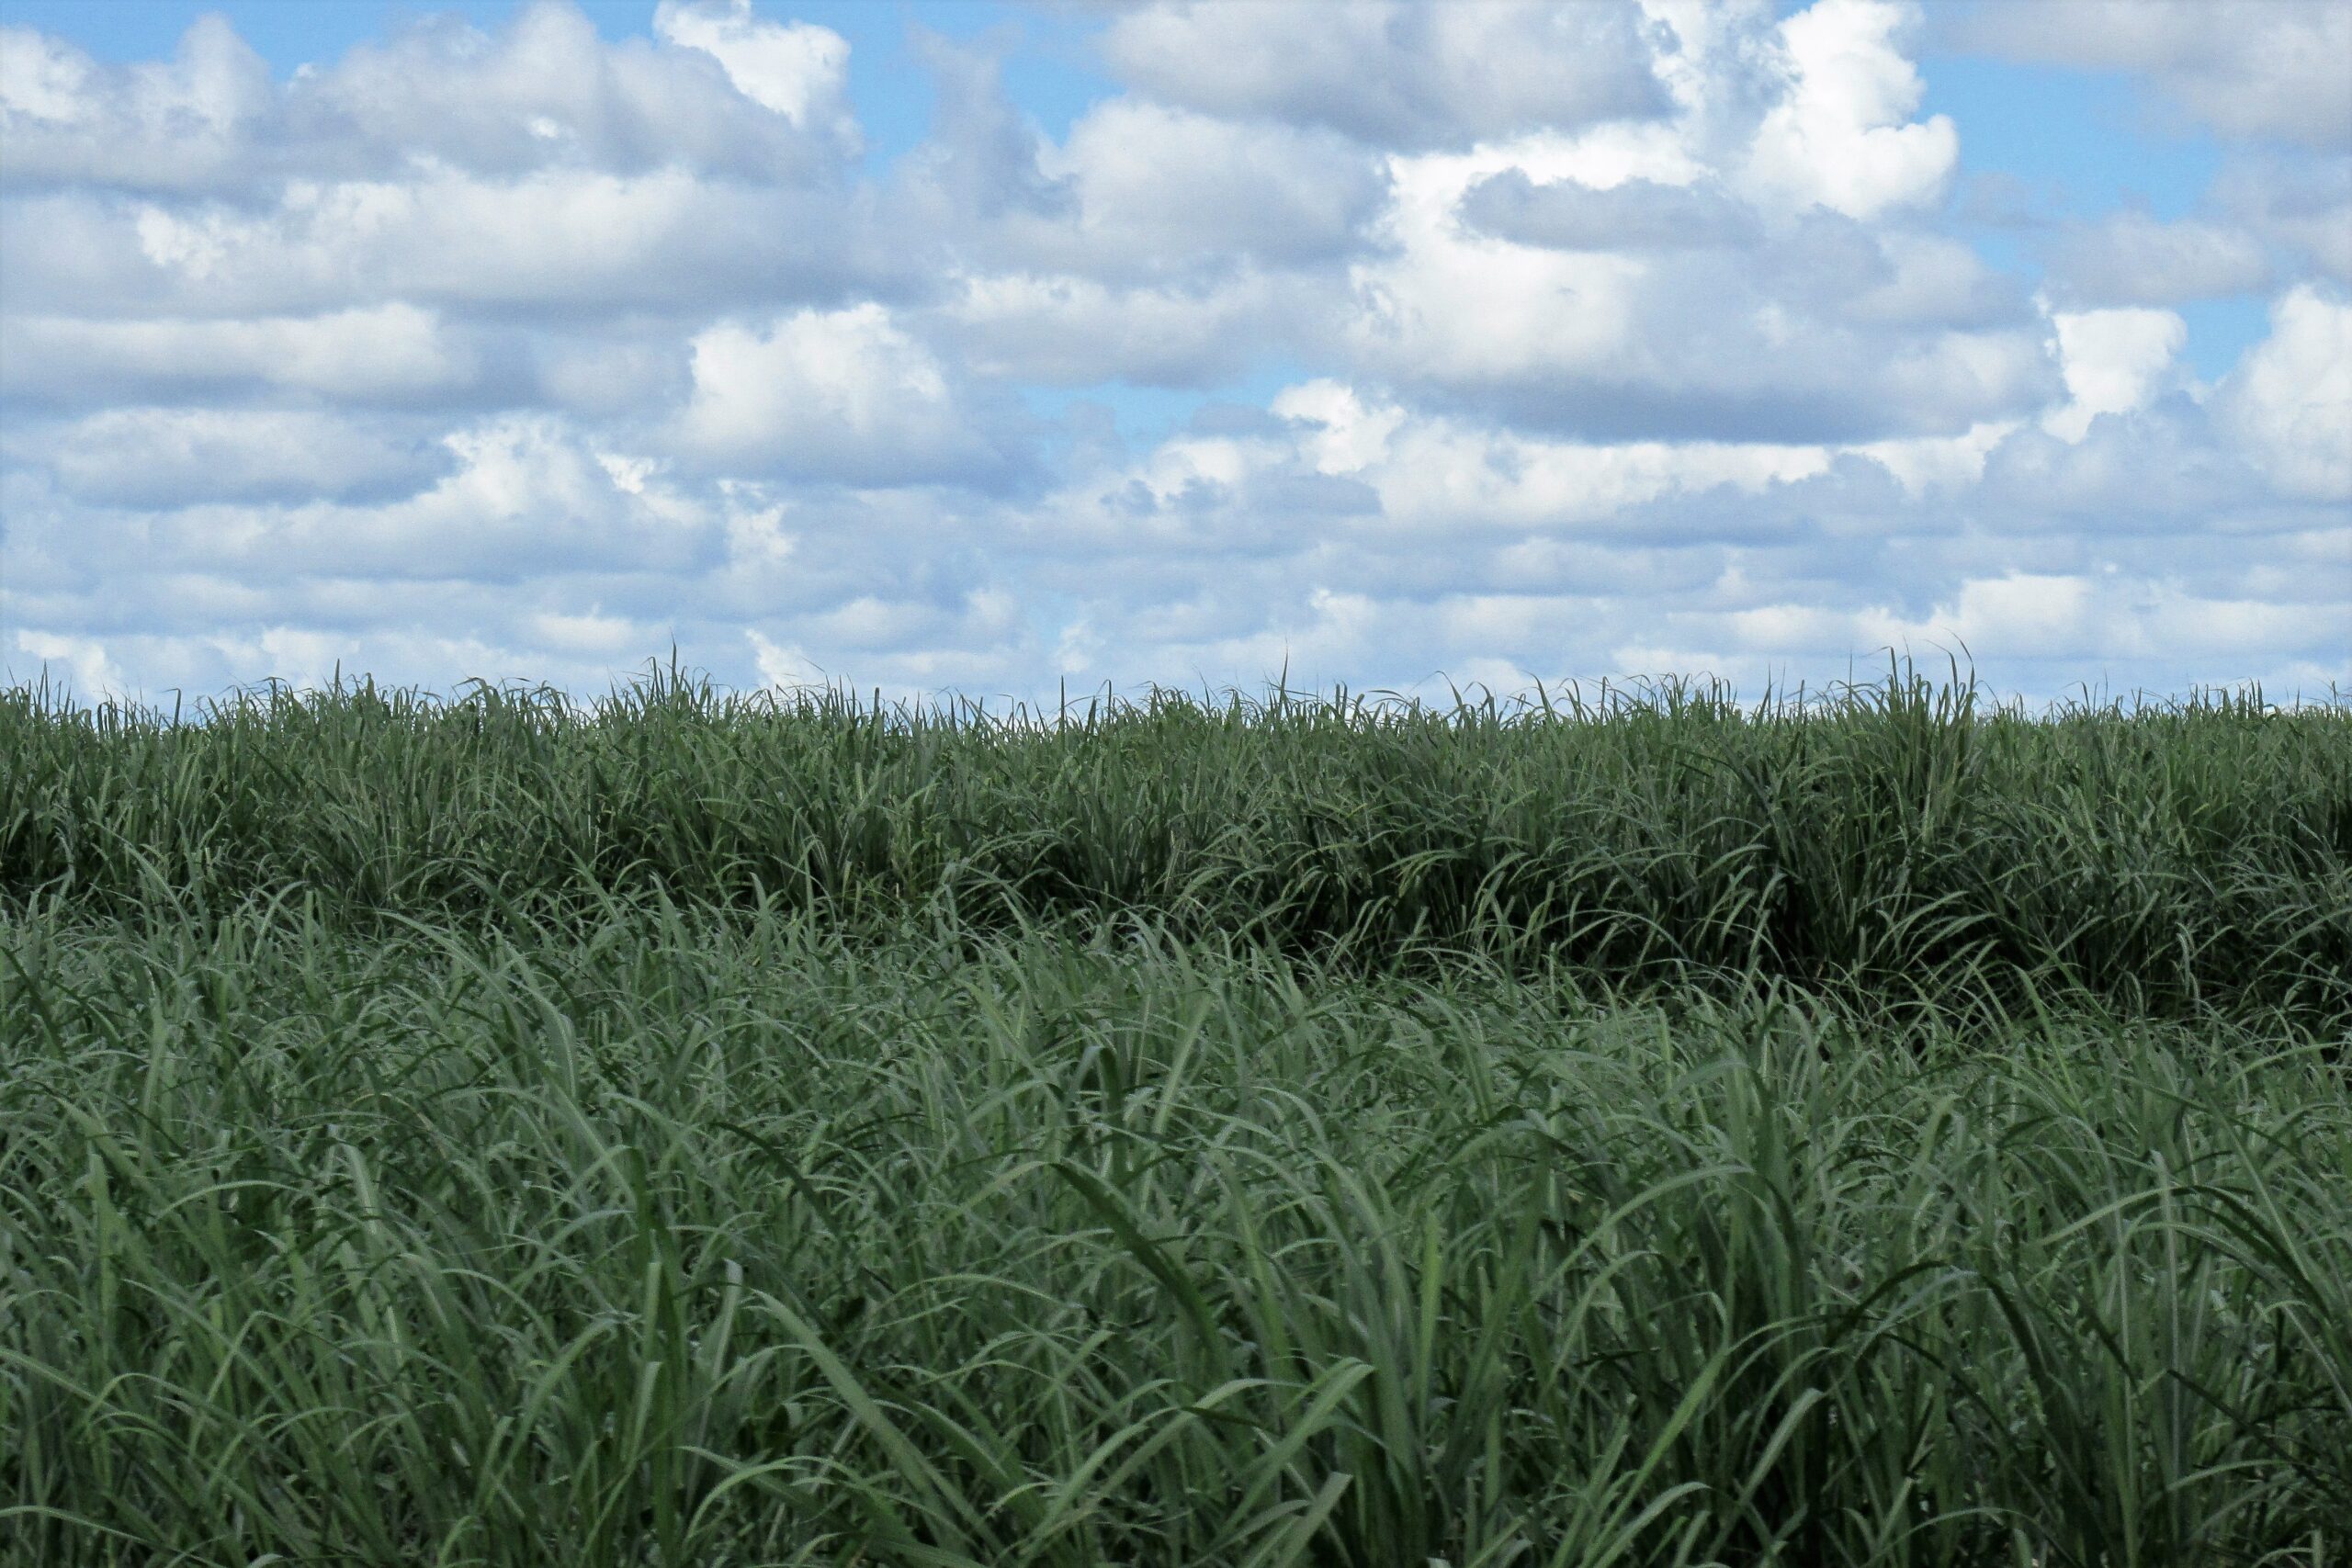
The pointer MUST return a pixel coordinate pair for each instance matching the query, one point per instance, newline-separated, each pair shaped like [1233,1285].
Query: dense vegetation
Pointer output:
[702,1130]
[1899,834]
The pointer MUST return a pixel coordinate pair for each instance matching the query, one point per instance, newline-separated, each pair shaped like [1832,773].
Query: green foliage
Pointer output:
[1903,835]
[710,1132]
[684,1238]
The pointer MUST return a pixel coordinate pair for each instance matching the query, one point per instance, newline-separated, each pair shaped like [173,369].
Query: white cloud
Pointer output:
[2114,362]
[2290,400]
[2079,617]
[797,69]
[168,458]
[601,376]
[79,663]
[1461,306]
[1152,244]
[190,121]
[2130,258]
[43,80]
[592,635]
[843,395]
[1345,435]
[756,534]
[1391,73]
[2301,203]
[2024,615]
[784,667]
[1439,473]
[720,92]
[1743,270]
[1632,215]
[390,353]
[1946,464]
[1078,332]
[752,101]
[1823,328]
[1841,137]
[1156,189]
[521,481]
[523,245]
[520,504]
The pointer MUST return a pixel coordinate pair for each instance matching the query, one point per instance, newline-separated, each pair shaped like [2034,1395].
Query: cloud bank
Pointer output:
[1518,341]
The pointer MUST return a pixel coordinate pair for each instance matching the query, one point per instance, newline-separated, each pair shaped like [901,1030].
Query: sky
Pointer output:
[999,350]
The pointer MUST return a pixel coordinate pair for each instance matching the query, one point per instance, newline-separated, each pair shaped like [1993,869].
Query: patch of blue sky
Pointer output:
[2220,331]
[1146,416]
[2042,144]
[287,33]
[2093,141]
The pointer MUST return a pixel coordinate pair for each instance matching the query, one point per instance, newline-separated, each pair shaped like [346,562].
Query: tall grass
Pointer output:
[679,1236]
[1640,1133]
[1903,835]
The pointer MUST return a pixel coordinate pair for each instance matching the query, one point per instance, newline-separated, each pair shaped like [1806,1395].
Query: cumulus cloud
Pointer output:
[515,496]
[1436,472]
[844,395]
[189,122]
[1841,136]
[2290,404]
[2131,258]
[1821,328]
[1636,215]
[173,458]
[750,99]
[2155,469]
[2300,203]
[1152,244]
[1073,330]
[379,354]
[795,69]
[551,240]
[1752,267]
[2114,361]
[2040,616]
[1154,189]
[80,665]
[1391,73]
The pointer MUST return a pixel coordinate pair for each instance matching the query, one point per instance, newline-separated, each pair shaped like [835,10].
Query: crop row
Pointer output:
[691,1237]
[1902,835]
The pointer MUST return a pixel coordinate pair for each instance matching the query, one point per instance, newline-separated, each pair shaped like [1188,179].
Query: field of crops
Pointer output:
[1631,1130]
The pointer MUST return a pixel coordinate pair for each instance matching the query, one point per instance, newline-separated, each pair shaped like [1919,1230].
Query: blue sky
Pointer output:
[983,347]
